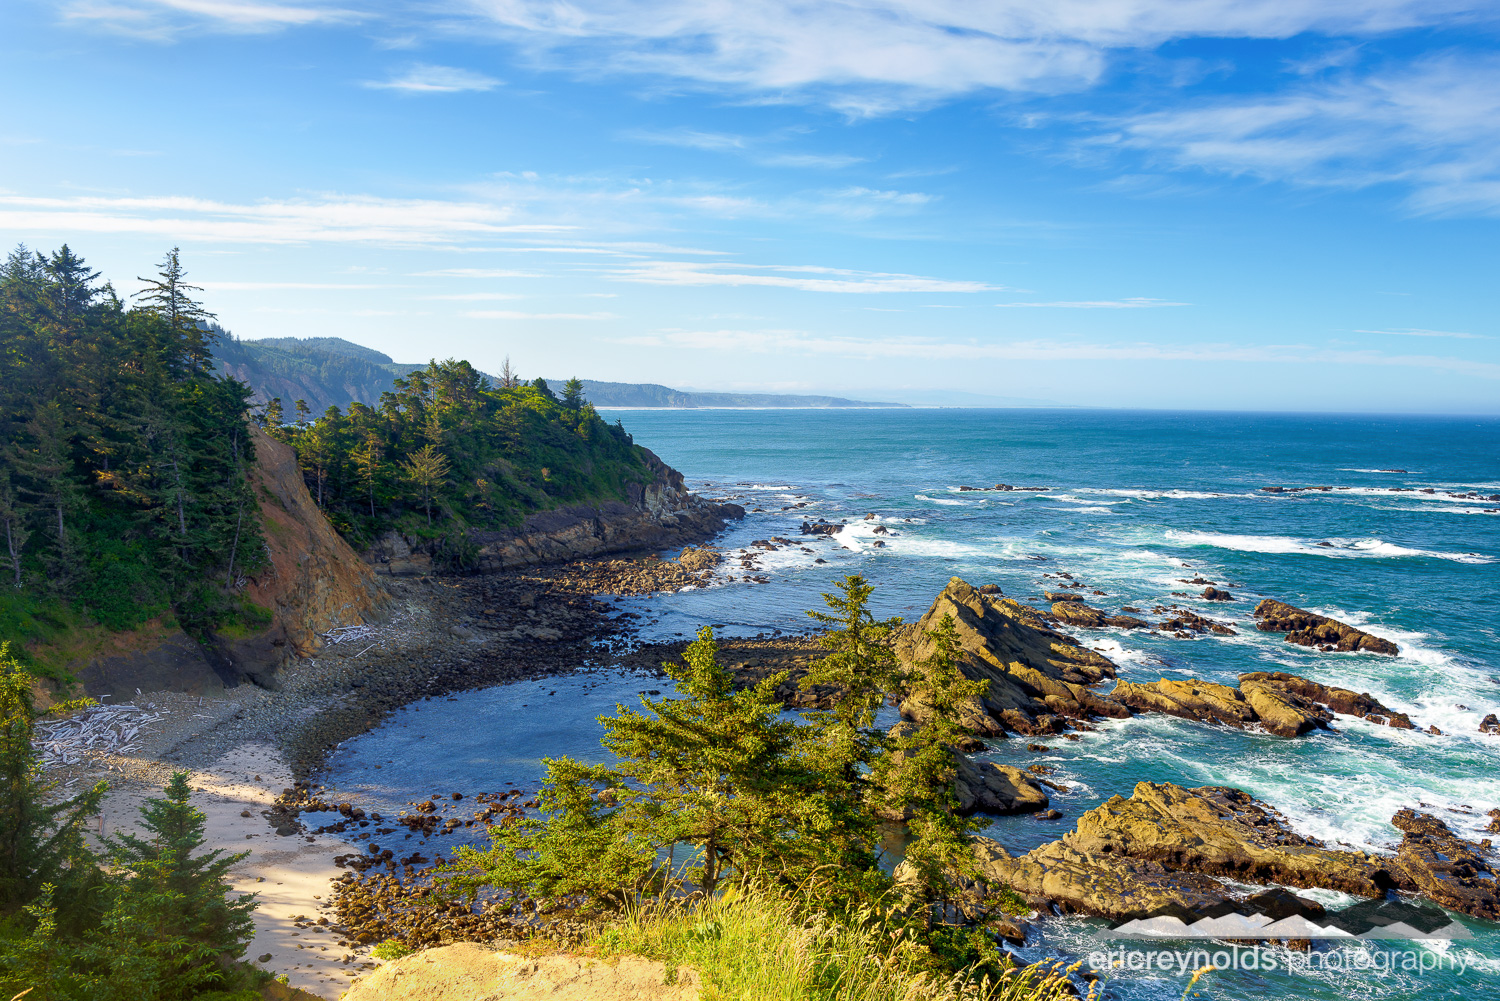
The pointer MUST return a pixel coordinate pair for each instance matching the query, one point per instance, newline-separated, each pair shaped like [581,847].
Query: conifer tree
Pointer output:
[170,296]
[14,521]
[70,289]
[41,836]
[367,464]
[427,469]
[272,418]
[171,924]
[572,397]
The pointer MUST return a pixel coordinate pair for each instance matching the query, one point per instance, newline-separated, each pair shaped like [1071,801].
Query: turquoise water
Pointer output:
[1137,502]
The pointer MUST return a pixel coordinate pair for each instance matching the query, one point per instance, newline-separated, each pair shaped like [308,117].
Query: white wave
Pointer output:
[1143,494]
[1411,493]
[942,500]
[1070,498]
[1336,548]
[1440,509]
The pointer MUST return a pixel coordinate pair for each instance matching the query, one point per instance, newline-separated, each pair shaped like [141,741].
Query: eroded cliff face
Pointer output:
[313,582]
[656,515]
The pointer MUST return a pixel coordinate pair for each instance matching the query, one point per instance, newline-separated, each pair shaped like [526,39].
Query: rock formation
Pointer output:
[1284,704]
[1313,630]
[1036,676]
[658,515]
[1165,848]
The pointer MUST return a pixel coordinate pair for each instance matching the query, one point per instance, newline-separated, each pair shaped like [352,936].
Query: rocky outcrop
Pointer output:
[1197,700]
[990,787]
[1310,629]
[1284,704]
[469,972]
[1446,869]
[311,582]
[1074,612]
[1035,677]
[658,514]
[1298,691]
[1224,832]
[1165,849]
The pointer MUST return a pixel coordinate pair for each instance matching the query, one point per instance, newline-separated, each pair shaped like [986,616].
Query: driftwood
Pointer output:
[98,729]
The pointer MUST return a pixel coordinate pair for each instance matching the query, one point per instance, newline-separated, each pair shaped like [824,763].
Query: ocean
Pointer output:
[1136,503]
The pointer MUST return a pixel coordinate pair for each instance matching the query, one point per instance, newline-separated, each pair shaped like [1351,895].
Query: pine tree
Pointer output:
[70,290]
[170,296]
[427,469]
[41,836]
[41,963]
[367,464]
[171,924]
[272,418]
[572,397]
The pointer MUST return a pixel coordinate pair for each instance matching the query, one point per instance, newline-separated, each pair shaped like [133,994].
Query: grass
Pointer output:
[757,946]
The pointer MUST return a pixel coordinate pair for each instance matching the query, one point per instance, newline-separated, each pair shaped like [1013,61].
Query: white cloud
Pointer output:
[791,276]
[1418,332]
[426,79]
[269,286]
[333,218]
[506,314]
[759,149]
[799,342]
[473,273]
[1094,304]
[475,296]
[873,56]
[1428,125]
[163,20]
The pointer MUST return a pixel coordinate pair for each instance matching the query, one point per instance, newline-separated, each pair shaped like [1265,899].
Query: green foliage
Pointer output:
[718,785]
[764,945]
[123,469]
[170,924]
[447,453]
[41,835]
[157,927]
[390,949]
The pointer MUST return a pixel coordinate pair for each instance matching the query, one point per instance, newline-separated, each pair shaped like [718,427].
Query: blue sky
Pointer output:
[1228,204]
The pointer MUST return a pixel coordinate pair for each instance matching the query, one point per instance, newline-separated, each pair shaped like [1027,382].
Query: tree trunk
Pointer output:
[15,557]
[181,516]
[239,520]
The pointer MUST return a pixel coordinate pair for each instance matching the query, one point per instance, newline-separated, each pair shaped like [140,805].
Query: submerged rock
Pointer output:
[1310,629]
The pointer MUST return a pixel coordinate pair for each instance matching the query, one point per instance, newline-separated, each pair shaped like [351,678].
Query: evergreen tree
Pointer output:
[717,780]
[171,924]
[427,469]
[14,521]
[272,418]
[70,286]
[41,835]
[540,385]
[42,963]
[572,397]
[170,296]
[367,464]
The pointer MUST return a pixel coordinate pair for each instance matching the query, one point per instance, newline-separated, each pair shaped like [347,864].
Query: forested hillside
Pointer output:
[324,371]
[447,451]
[123,457]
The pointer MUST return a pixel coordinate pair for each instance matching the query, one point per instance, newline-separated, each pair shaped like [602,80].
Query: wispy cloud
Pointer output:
[268,286]
[474,273]
[805,278]
[427,79]
[881,55]
[164,20]
[1094,304]
[506,314]
[1427,126]
[475,296]
[760,149]
[1418,332]
[800,342]
[333,218]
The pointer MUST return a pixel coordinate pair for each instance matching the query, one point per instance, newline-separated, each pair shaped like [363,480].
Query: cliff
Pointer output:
[659,514]
[312,582]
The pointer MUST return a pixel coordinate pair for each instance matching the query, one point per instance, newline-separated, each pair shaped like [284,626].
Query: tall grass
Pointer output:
[758,946]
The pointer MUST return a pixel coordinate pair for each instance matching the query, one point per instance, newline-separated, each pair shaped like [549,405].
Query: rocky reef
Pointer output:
[1310,629]
[1166,849]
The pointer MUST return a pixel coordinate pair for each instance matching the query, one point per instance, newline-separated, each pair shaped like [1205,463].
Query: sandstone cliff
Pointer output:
[311,583]
[656,515]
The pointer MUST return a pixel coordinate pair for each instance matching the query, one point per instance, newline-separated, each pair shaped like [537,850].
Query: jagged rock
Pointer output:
[1075,613]
[1196,700]
[1340,700]
[1309,629]
[1062,596]
[990,787]
[991,589]
[1214,594]
[1445,868]
[1180,620]
[1221,831]
[1490,724]
[984,786]
[1281,711]
[1035,676]
[1110,886]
